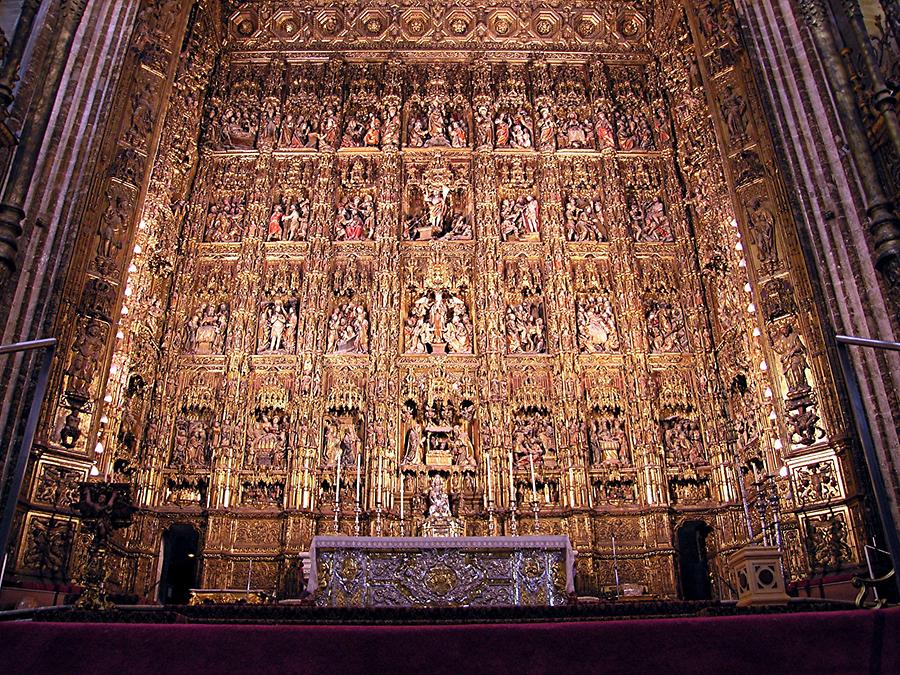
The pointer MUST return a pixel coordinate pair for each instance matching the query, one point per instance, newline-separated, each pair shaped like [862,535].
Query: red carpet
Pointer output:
[830,642]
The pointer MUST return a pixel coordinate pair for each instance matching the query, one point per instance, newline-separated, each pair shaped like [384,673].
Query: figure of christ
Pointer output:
[437,210]
[277,323]
[291,223]
[530,215]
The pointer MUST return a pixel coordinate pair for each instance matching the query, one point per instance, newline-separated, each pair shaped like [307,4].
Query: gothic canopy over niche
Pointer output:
[537,253]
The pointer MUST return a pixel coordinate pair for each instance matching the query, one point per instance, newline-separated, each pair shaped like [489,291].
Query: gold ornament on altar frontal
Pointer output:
[490,247]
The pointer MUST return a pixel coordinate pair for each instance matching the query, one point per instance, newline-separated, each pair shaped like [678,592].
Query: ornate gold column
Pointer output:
[12,211]
[883,223]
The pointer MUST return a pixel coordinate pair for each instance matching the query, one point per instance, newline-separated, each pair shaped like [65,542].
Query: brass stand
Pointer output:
[103,507]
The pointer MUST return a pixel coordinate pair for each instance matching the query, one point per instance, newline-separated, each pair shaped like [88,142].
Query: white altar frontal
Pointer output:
[441,571]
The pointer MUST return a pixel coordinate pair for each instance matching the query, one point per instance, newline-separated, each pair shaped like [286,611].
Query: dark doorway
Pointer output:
[692,563]
[179,568]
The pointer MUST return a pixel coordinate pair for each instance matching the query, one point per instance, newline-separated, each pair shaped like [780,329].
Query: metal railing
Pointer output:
[19,462]
[882,501]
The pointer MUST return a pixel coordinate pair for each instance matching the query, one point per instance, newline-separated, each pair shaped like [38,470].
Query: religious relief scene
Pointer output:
[279,312]
[525,320]
[437,201]
[348,324]
[520,218]
[437,313]
[446,307]
[356,207]
[597,331]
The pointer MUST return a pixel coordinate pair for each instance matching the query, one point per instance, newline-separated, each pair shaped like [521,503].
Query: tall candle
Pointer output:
[379,497]
[402,488]
[358,477]
[337,481]
[533,482]
[571,486]
[512,481]
[490,492]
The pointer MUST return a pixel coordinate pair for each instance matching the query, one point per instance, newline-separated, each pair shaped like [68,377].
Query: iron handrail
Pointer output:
[21,461]
[864,431]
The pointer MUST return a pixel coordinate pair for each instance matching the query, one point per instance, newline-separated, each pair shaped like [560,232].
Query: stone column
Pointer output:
[883,223]
[881,97]
[10,73]
[25,160]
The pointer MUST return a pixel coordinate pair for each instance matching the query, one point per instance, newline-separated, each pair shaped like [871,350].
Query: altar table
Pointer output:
[441,571]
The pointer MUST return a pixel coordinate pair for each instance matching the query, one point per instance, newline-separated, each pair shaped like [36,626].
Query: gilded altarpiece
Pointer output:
[540,254]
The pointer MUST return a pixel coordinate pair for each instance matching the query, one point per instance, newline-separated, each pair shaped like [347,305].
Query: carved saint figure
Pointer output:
[372,137]
[734,110]
[112,226]
[390,132]
[484,128]
[762,225]
[274,229]
[603,130]
[546,130]
[437,126]
[87,346]
[349,446]
[329,128]
[793,359]
[607,440]
[412,447]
